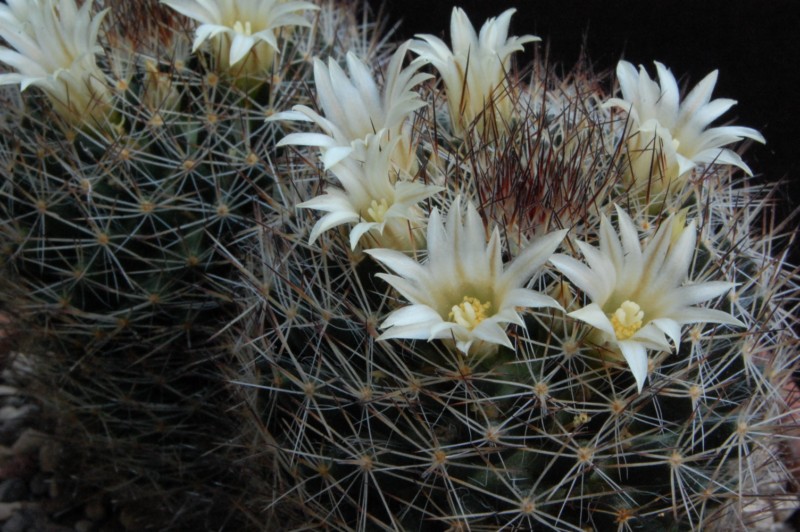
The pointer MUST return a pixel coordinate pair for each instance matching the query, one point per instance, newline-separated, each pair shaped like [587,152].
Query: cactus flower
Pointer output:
[638,297]
[668,138]
[463,292]
[475,70]
[355,109]
[372,199]
[242,32]
[53,45]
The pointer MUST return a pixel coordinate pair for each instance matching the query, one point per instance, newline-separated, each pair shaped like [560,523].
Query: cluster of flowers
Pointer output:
[463,293]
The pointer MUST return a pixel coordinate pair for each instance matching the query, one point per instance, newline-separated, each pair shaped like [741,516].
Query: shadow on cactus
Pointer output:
[115,208]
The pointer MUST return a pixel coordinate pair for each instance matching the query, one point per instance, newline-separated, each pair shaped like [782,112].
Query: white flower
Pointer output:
[638,297]
[668,138]
[475,71]
[355,109]
[242,32]
[372,199]
[463,292]
[53,46]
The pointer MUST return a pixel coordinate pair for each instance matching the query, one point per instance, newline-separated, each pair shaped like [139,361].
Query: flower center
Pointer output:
[377,211]
[243,29]
[470,312]
[627,319]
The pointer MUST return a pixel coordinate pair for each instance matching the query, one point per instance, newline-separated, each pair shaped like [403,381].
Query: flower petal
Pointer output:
[583,277]
[669,327]
[594,316]
[532,258]
[636,356]
[490,331]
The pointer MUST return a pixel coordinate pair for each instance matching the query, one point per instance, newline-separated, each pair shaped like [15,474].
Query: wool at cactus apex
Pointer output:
[754,45]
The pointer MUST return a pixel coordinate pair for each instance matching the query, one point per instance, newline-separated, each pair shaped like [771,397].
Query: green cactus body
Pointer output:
[115,240]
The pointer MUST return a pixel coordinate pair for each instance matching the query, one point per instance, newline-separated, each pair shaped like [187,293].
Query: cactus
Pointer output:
[378,367]
[370,417]
[117,211]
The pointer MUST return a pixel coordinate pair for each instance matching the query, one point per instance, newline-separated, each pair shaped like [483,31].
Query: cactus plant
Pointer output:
[121,188]
[400,405]
[376,367]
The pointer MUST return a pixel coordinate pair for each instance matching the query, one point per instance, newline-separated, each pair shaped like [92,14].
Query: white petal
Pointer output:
[306,139]
[415,292]
[419,331]
[333,201]
[333,156]
[610,245]
[329,221]
[439,247]
[448,329]
[602,269]
[706,315]
[398,262]
[205,32]
[412,315]
[531,260]
[367,89]
[490,331]
[581,276]
[636,356]
[698,97]
[711,111]
[629,237]
[669,327]
[670,96]
[294,115]
[523,297]
[240,47]
[628,80]
[594,316]
[676,265]
[359,230]
[411,193]
[722,156]
[698,293]
[195,10]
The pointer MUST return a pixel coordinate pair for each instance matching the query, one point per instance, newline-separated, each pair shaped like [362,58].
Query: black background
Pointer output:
[754,44]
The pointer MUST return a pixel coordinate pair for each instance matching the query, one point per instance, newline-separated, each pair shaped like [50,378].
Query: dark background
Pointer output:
[755,44]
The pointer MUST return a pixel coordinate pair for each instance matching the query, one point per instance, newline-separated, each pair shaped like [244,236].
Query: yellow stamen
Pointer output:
[470,312]
[244,29]
[377,211]
[627,319]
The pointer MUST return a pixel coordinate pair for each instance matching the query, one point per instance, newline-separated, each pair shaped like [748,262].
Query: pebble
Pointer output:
[13,489]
